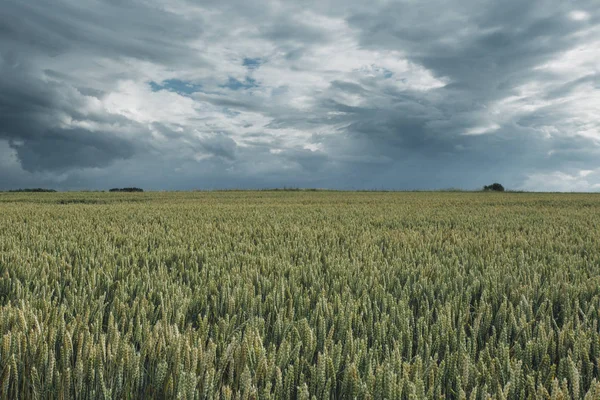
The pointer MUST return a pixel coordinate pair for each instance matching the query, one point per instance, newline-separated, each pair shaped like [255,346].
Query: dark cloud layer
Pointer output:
[397,95]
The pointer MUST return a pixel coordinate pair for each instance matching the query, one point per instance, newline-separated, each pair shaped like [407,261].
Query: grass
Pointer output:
[299,294]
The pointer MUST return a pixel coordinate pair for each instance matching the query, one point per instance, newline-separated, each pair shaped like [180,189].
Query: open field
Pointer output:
[299,295]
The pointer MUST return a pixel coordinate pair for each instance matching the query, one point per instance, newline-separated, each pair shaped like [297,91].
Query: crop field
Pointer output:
[299,295]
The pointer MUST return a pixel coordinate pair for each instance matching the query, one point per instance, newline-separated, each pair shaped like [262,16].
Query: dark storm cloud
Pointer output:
[109,28]
[33,100]
[400,95]
[64,149]
[30,113]
[219,145]
[485,50]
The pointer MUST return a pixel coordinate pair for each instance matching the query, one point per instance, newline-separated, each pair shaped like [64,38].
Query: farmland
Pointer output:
[299,295]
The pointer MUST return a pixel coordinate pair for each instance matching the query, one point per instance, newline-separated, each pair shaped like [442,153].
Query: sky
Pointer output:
[341,94]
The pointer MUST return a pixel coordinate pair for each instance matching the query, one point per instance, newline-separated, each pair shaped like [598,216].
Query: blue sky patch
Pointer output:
[235,84]
[252,63]
[177,86]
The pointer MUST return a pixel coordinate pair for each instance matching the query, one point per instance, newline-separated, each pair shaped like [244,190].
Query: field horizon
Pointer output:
[299,189]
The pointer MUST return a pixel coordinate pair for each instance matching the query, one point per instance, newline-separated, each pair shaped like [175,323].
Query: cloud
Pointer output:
[400,95]
[581,181]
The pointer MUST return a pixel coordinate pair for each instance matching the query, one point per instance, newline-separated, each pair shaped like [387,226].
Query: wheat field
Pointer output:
[299,295]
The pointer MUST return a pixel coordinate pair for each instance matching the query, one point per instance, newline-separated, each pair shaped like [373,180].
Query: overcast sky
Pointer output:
[344,94]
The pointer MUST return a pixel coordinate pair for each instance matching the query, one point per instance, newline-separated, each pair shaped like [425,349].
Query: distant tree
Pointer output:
[494,187]
[127,189]
[34,190]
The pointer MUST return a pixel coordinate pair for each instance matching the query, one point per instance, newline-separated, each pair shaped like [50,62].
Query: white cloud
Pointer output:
[480,130]
[579,15]
[558,181]
[137,102]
